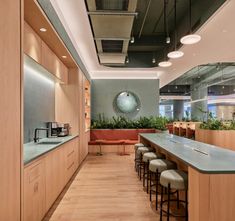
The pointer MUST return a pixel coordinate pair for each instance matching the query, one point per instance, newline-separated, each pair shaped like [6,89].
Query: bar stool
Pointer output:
[148,157]
[136,146]
[157,167]
[140,152]
[176,180]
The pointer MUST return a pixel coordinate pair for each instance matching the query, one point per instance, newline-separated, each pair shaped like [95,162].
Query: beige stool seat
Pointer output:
[151,156]
[137,145]
[161,165]
[176,178]
[142,150]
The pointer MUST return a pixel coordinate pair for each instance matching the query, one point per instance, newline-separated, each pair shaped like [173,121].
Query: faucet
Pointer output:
[36,139]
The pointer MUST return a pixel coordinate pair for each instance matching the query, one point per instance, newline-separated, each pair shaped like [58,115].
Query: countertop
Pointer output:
[203,157]
[34,150]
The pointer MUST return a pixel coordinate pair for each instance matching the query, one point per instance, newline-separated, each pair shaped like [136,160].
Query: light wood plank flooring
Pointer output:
[105,189]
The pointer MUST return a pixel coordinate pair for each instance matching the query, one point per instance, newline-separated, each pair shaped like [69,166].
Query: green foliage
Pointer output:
[215,124]
[124,123]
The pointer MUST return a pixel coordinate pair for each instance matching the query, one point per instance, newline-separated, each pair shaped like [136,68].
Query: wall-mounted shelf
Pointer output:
[87,97]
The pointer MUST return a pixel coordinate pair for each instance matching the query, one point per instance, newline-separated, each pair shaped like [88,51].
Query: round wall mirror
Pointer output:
[126,103]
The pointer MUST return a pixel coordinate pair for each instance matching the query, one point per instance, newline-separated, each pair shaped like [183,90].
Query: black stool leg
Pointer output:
[161,203]
[140,165]
[168,202]
[150,188]
[144,176]
[156,180]
[147,177]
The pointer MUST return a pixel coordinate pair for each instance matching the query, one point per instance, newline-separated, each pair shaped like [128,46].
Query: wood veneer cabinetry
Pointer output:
[55,175]
[44,179]
[71,158]
[221,138]
[10,112]
[53,64]
[32,44]
[34,191]
[41,53]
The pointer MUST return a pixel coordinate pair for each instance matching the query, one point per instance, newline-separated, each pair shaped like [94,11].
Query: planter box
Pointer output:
[221,138]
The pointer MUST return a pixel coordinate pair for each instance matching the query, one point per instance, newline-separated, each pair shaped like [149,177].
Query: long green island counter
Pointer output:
[211,173]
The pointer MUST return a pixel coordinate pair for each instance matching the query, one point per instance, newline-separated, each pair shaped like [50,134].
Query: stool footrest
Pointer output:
[173,214]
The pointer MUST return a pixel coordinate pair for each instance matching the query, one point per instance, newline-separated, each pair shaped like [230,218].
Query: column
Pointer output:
[199,103]
[178,109]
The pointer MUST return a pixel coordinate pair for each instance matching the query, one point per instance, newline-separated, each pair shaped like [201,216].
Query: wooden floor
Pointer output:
[105,189]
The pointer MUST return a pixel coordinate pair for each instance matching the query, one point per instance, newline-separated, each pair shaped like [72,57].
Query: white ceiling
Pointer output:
[217,44]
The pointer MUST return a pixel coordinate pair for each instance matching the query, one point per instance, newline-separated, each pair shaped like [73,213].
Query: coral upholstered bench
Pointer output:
[114,140]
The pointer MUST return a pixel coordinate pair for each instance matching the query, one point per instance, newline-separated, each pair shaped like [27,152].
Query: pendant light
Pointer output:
[165,63]
[175,54]
[190,38]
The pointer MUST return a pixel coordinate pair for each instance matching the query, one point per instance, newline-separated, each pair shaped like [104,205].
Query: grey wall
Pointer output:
[104,92]
[39,99]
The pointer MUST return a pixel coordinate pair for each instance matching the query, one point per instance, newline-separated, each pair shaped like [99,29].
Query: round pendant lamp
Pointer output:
[176,53]
[190,38]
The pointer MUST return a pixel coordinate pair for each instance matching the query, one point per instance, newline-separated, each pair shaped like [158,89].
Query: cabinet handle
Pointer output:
[35,187]
[70,166]
[70,153]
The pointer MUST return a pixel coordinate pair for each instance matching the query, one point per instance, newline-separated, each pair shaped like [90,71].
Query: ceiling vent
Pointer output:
[112,46]
[111,22]
[113,5]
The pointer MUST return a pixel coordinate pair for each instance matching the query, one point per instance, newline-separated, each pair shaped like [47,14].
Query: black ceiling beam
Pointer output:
[150,40]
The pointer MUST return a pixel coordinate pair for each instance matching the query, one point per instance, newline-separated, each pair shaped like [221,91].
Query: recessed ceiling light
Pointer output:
[164,64]
[43,29]
[132,39]
[190,39]
[175,54]
[64,56]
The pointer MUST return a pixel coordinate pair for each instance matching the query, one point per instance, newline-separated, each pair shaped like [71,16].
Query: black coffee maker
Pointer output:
[53,129]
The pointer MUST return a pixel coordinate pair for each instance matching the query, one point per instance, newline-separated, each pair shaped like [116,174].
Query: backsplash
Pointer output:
[39,99]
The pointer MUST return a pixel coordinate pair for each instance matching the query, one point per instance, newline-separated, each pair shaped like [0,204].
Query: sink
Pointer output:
[50,142]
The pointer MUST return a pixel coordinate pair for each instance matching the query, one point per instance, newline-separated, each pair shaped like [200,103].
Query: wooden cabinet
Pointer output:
[60,165]
[47,58]
[55,175]
[41,53]
[34,191]
[32,44]
[53,64]
[44,179]
[11,110]
[71,155]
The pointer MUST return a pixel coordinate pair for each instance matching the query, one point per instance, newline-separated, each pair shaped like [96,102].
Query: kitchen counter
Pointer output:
[34,150]
[203,157]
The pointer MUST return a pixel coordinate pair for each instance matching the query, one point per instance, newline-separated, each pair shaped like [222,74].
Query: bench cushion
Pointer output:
[112,142]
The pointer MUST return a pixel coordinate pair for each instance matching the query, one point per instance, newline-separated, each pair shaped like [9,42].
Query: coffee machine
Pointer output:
[63,129]
[52,129]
